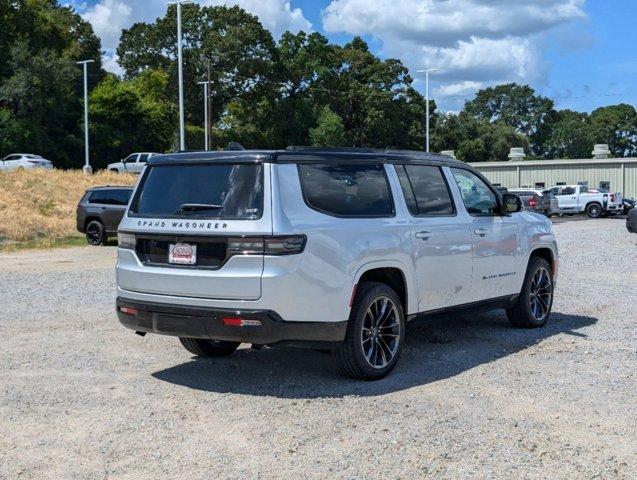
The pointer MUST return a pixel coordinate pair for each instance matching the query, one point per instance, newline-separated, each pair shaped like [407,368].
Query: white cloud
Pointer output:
[276,15]
[459,88]
[109,17]
[474,43]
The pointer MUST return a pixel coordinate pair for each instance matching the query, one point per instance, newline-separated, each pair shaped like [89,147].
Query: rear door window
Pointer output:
[425,190]
[232,191]
[143,158]
[347,190]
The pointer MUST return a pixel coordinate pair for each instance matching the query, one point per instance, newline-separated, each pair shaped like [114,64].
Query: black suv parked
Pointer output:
[100,211]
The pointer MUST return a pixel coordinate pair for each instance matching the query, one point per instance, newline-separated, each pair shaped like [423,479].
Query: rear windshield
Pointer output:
[111,197]
[201,191]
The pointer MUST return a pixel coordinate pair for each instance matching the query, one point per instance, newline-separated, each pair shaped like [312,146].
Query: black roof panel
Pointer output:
[304,155]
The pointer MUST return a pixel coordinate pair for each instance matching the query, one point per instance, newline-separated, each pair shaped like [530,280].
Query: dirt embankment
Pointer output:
[37,207]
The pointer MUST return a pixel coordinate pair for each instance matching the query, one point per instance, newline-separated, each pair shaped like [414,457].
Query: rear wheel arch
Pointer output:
[393,277]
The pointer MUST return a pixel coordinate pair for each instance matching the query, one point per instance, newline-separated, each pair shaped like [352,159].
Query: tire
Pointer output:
[533,307]
[114,170]
[369,352]
[95,234]
[594,210]
[208,348]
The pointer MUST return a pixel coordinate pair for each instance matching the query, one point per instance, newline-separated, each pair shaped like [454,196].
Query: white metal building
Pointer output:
[614,174]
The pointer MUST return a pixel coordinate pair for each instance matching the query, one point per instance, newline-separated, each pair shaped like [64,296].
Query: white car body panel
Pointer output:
[134,163]
[25,161]
[454,266]
[577,201]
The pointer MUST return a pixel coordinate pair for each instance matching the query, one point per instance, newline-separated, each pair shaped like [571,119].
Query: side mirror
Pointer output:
[511,202]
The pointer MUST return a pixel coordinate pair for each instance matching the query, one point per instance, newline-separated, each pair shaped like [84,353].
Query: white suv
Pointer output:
[327,249]
[134,163]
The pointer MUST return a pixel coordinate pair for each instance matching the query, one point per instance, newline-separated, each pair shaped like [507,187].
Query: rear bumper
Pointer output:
[203,322]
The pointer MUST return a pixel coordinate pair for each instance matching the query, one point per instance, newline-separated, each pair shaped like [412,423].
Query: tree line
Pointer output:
[299,90]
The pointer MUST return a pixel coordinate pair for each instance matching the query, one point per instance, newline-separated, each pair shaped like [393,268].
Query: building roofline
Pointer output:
[560,161]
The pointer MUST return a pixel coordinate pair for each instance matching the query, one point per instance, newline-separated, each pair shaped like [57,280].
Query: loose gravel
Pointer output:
[83,398]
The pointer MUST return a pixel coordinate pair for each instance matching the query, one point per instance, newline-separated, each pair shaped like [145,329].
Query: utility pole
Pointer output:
[87,167]
[205,113]
[182,129]
[426,71]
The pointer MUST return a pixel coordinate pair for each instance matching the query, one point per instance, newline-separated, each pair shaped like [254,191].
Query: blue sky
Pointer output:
[581,53]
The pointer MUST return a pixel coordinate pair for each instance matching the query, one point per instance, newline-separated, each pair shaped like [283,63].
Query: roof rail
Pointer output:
[302,148]
[384,151]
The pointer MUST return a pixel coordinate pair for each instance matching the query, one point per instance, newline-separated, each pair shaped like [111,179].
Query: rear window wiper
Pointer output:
[196,207]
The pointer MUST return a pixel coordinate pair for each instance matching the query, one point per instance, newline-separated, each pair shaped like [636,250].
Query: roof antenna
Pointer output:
[234,147]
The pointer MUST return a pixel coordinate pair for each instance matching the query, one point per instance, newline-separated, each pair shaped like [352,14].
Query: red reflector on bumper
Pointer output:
[128,310]
[240,322]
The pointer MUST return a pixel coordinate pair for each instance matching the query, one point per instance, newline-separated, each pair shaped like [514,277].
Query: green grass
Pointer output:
[72,241]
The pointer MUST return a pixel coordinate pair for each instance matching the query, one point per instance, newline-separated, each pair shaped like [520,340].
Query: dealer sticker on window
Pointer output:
[182,254]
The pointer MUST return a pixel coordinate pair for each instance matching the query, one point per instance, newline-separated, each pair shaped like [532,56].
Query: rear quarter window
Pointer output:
[347,190]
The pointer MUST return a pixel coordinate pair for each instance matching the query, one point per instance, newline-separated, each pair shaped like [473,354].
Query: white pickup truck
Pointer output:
[579,198]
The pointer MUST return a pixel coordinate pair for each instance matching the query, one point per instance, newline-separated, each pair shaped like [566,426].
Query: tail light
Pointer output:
[126,240]
[532,203]
[277,245]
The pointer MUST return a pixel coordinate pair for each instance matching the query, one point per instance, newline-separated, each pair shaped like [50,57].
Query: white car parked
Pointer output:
[134,163]
[579,198]
[24,160]
[328,249]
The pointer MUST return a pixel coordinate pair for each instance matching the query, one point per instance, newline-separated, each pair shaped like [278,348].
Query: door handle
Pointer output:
[424,235]
[480,231]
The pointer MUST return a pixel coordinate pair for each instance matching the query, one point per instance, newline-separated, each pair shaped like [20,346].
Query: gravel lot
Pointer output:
[83,398]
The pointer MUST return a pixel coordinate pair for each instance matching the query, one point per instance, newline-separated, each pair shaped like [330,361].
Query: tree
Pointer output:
[40,84]
[130,115]
[374,98]
[615,125]
[476,140]
[570,136]
[241,51]
[518,107]
[329,132]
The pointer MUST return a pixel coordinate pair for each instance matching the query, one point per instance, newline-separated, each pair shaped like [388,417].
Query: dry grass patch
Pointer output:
[37,207]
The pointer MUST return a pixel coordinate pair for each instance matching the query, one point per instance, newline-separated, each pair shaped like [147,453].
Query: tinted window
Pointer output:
[131,158]
[228,191]
[111,197]
[143,157]
[347,190]
[425,190]
[567,191]
[477,197]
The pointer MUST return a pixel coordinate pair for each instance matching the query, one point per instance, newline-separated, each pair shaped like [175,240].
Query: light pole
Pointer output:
[182,132]
[426,71]
[205,111]
[87,167]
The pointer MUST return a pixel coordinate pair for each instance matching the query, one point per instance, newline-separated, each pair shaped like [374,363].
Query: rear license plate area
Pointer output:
[182,254]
